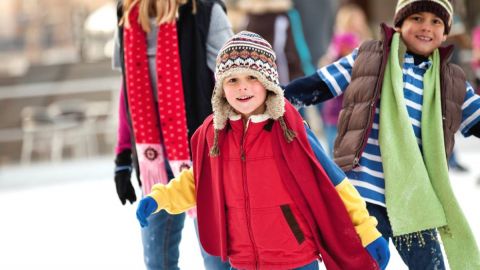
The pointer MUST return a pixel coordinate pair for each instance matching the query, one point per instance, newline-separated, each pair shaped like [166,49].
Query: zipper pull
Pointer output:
[242,154]
[355,162]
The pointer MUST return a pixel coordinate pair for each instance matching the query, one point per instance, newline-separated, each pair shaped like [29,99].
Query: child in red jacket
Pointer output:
[267,196]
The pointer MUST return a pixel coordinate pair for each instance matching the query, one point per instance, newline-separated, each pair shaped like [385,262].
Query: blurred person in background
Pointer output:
[279,23]
[166,51]
[318,19]
[350,30]
[476,55]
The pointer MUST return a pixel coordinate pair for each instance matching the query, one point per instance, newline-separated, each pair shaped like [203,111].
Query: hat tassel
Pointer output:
[288,133]
[215,151]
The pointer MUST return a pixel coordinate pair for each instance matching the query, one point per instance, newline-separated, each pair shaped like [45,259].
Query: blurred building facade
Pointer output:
[54,61]
[42,31]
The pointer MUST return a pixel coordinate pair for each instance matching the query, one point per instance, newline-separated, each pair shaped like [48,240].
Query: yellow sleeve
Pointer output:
[365,225]
[178,195]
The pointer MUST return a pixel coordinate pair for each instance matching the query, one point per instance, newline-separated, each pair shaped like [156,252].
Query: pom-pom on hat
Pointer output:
[442,8]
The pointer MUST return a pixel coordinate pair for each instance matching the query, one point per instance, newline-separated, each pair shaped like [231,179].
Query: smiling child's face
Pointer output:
[422,33]
[245,93]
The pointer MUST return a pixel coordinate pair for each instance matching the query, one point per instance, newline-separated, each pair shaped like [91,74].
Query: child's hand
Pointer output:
[145,208]
[378,249]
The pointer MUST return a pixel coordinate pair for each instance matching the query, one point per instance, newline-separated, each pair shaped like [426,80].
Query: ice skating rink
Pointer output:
[68,216]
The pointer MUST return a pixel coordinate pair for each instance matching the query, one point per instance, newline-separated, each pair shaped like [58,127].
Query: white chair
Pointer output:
[37,127]
[98,123]
[68,117]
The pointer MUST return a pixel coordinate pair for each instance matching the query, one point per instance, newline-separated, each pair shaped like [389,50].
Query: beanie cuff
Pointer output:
[424,6]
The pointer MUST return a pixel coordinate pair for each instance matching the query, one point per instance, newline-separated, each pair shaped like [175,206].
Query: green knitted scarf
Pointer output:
[417,187]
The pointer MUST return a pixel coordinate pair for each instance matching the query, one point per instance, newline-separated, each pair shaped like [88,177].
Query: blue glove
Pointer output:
[378,249]
[145,208]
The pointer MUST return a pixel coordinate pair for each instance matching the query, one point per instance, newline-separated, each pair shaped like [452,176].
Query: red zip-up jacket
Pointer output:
[265,229]
[235,219]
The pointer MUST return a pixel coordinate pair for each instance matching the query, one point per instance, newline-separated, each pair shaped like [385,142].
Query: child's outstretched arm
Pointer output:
[470,124]
[328,82]
[175,197]
[178,195]
[365,225]
[307,90]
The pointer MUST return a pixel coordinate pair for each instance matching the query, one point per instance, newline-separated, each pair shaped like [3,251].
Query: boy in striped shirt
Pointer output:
[391,87]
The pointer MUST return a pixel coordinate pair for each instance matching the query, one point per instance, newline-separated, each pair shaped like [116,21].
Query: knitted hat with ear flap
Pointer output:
[442,8]
[247,53]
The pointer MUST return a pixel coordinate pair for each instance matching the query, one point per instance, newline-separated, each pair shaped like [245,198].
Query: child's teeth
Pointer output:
[424,38]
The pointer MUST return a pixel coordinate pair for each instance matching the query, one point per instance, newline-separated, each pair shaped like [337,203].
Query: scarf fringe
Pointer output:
[152,173]
[152,165]
[408,240]
[446,231]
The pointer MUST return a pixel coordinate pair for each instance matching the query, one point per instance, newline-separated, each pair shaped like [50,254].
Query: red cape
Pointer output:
[309,186]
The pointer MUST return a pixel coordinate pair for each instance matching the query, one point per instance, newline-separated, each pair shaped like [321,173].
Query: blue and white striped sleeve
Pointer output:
[470,111]
[338,74]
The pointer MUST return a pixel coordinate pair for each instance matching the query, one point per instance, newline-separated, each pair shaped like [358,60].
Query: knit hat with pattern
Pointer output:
[246,53]
[442,8]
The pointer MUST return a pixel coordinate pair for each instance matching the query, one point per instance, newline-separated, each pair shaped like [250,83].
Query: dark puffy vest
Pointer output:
[361,96]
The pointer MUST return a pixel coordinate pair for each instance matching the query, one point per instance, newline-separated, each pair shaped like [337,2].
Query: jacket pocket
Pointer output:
[292,223]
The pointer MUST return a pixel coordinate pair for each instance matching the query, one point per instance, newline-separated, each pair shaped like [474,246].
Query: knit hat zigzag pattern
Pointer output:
[247,49]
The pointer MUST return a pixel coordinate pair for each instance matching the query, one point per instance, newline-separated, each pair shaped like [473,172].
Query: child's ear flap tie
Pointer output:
[288,133]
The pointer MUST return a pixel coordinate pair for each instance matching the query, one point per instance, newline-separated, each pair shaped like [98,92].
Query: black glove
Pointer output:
[123,171]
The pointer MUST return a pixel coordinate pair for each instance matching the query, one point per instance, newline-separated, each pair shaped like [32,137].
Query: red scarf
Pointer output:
[153,126]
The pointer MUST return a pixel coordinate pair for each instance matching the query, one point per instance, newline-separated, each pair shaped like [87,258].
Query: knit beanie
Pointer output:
[247,53]
[442,8]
